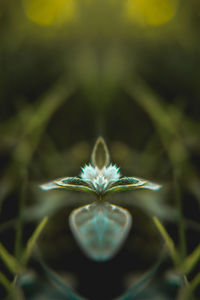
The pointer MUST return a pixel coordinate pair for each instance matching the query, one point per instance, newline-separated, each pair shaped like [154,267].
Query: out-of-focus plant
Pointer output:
[183,266]
[17,265]
[151,12]
[50,12]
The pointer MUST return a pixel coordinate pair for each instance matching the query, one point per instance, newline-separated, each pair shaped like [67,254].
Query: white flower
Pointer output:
[111,173]
[100,179]
[89,173]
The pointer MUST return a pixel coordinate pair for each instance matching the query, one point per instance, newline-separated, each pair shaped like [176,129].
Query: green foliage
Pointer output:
[169,242]
[185,266]
[191,261]
[17,267]
[13,265]
[32,241]
[186,293]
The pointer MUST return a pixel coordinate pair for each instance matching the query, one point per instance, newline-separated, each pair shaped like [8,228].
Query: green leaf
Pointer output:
[169,242]
[50,186]
[10,260]
[132,183]
[32,240]
[125,187]
[129,180]
[74,187]
[68,183]
[191,260]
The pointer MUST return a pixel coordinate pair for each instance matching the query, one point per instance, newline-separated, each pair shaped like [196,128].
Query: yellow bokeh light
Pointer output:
[151,12]
[50,12]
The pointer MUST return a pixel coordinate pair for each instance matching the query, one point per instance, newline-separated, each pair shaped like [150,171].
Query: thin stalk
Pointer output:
[19,223]
[181,223]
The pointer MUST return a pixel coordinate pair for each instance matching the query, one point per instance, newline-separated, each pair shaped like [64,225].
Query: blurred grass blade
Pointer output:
[195,282]
[186,293]
[67,291]
[4,281]
[32,240]
[136,290]
[10,260]
[191,261]
[13,292]
[169,242]
[34,124]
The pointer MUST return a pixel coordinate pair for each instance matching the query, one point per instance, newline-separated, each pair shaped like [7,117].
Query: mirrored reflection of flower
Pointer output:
[100,228]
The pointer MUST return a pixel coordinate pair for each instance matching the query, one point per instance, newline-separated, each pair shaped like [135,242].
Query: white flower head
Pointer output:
[100,179]
[89,172]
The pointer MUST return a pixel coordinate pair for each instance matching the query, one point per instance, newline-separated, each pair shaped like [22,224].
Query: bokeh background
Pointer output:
[73,70]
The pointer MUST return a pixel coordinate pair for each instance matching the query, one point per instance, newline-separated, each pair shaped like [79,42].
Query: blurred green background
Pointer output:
[71,71]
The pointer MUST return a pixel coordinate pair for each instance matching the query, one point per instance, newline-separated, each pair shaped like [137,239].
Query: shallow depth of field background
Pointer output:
[128,71]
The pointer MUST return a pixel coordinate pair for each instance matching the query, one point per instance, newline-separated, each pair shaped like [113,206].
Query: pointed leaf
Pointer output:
[132,183]
[67,183]
[100,154]
[74,183]
[32,240]
[10,260]
[128,181]
[126,184]
[169,242]
[191,261]
[151,186]
[100,229]
[50,186]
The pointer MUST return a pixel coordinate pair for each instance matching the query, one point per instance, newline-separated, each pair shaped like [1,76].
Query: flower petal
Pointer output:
[111,173]
[89,173]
